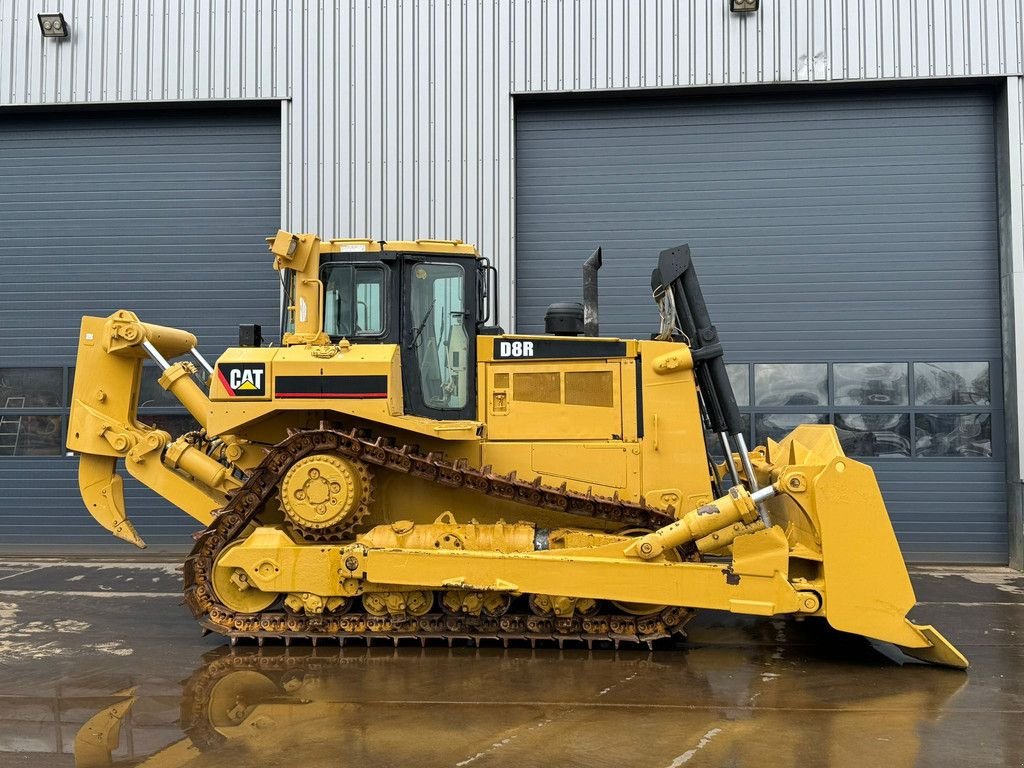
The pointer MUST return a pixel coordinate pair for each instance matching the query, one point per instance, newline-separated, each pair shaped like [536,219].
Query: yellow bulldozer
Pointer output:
[398,467]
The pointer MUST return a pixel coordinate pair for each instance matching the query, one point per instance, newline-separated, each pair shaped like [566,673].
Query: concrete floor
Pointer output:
[84,646]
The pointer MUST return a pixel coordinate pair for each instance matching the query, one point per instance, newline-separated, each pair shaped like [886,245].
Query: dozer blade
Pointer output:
[867,587]
[938,651]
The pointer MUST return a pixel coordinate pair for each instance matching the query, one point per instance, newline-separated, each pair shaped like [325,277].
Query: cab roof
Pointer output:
[365,245]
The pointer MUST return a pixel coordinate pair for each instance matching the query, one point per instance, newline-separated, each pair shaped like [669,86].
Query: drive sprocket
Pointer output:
[325,493]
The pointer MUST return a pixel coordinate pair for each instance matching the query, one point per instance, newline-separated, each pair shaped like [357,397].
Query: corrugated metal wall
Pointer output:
[198,49]
[400,120]
[145,50]
[658,43]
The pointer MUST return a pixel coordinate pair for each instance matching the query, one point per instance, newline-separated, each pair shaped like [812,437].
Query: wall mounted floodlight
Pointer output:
[744,6]
[53,25]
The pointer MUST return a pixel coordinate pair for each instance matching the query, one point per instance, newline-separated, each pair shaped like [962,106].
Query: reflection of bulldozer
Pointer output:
[366,703]
[954,434]
[401,469]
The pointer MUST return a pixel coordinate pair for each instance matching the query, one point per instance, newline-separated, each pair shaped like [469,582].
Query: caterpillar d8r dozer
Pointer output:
[397,468]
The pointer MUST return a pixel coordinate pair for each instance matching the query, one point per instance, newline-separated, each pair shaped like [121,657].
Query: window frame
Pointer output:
[414,403]
[434,317]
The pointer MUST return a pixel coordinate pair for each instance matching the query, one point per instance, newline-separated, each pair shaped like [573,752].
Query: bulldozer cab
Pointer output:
[431,298]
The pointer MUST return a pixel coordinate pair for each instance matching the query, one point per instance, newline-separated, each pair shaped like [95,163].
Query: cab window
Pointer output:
[354,300]
[439,337]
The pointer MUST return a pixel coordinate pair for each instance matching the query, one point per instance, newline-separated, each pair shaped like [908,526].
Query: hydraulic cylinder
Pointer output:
[737,506]
[177,379]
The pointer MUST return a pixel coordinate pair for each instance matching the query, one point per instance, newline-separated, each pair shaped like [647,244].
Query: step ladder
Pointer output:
[10,428]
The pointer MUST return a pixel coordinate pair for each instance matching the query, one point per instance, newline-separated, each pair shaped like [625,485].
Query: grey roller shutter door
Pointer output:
[842,227]
[159,211]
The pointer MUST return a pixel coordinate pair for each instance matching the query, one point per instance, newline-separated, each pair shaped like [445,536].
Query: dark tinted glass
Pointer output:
[952,384]
[31,387]
[871,384]
[30,435]
[739,377]
[715,445]
[874,434]
[953,434]
[791,384]
[354,300]
[151,394]
[777,425]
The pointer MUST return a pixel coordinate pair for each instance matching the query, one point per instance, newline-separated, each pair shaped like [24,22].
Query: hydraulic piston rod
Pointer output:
[202,361]
[723,438]
[177,379]
[748,470]
[737,506]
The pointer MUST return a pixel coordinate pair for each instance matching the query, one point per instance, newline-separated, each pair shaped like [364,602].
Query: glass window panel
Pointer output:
[338,300]
[791,384]
[715,445]
[369,301]
[952,384]
[175,423]
[874,434]
[871,383]
[354,304]
[439,338]
[778,425]
[30,435]
[151,394]
[953,434]
[31,387]
[739,377]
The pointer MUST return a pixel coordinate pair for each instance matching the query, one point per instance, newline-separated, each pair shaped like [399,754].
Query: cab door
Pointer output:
[439,299]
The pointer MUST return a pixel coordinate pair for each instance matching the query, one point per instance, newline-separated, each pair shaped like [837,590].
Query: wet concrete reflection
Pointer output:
[722,706]
[95,675]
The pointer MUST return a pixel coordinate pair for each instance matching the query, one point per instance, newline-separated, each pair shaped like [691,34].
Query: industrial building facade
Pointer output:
[848,175]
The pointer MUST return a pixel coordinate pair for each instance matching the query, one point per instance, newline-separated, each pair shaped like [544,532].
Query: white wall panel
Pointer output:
[145,50]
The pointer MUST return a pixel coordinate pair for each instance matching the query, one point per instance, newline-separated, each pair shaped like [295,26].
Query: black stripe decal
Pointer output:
[331,387]
[511,348]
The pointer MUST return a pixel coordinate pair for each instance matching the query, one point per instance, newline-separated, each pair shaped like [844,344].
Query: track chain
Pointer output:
[245,504]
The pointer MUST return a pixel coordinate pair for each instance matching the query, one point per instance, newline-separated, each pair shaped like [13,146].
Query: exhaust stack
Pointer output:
[590,267]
